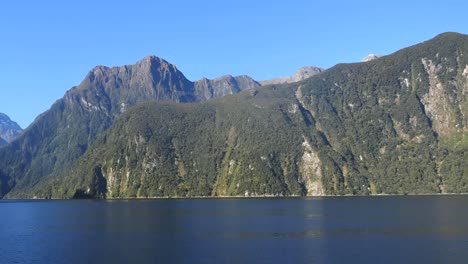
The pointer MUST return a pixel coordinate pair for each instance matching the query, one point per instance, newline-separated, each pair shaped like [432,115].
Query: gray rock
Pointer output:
[9,130]
[225,85]
[115,89]
[301,74]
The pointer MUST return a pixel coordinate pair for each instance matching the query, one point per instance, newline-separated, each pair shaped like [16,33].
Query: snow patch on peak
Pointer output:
[371,57]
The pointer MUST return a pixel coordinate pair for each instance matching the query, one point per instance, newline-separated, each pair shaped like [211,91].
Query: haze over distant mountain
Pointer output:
[9,130]
[392,125]
[301,74]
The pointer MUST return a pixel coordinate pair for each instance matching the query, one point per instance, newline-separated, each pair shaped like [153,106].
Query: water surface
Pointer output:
[407,229]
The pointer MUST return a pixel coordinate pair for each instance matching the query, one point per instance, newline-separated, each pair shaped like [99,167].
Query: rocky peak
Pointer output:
[301,74]
[9,130]
[148,68]
[306,72]
[152,64]
[246,82]
[226,78]
[112,90]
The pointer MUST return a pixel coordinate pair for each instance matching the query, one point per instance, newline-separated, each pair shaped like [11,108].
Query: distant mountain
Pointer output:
[370,57]
[225,85]
[301,74]
[9,130]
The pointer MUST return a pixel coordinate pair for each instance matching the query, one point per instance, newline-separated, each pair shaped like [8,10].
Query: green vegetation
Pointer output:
[225,147]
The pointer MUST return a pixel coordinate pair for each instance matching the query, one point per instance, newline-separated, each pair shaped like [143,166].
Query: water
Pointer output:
[416,229]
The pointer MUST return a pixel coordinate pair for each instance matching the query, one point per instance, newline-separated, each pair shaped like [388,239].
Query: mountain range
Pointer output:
[392,125]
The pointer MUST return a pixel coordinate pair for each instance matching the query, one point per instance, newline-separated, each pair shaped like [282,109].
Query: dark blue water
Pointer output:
[424,229]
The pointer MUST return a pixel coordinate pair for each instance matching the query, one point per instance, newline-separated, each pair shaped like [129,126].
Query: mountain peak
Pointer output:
[152,60]
[306,72]
[9,130]
[449,35]
[147,63]
[224,77]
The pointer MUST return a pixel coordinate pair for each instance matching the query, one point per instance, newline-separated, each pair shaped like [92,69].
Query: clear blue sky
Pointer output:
[46,47]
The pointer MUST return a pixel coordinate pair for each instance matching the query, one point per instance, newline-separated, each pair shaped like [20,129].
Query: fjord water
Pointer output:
[405,229]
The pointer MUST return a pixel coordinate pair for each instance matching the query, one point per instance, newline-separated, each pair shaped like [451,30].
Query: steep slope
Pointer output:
[392,125]
[58,137]
[237,145]
[399,121]
[9,130]
[301,74]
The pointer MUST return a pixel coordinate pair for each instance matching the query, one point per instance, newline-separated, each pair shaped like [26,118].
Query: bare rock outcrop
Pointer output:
[301,74]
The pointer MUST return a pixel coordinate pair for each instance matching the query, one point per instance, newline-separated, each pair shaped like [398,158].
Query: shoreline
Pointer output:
[233,197]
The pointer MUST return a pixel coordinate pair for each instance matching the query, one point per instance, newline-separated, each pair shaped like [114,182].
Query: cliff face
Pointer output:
[444,101]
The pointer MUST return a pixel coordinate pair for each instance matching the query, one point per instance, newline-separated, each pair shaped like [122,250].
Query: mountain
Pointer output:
[9,130]
[58,137]
[395,125]
[220,147]
[301,74]
[392,125]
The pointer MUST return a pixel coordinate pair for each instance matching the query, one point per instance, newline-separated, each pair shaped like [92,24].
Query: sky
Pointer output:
[47,47]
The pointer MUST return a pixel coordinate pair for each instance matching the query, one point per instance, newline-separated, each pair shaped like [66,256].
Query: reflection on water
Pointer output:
[428,229]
